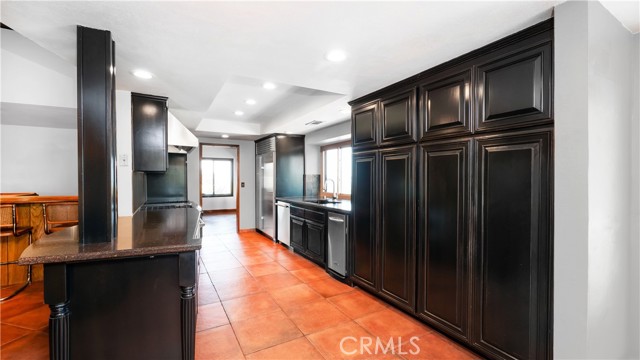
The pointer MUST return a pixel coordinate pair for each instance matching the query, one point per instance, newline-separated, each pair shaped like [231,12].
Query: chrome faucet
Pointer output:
[335,193]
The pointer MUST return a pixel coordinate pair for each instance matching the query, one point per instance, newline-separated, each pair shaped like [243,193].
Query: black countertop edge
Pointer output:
[343,207]
[147,233]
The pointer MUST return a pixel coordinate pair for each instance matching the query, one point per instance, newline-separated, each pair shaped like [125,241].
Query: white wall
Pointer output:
[595,312]
[223,202]
[313,140]
[123,146]
[40,159]
[634,254]
[247,175]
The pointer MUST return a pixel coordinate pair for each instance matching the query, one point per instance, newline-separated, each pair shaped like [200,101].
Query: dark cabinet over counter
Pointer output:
[451,191]
[149,116]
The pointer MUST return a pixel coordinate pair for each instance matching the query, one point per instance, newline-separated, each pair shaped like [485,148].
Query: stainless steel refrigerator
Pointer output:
[279,173]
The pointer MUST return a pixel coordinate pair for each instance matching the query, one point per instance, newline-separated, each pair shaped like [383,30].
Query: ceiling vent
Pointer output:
[314,122]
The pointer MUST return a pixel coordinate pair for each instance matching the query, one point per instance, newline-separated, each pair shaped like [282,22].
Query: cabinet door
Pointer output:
[316,242]
[511,273]
[297,233]
[364,125]
[397,220]
[445,105]
[364,204]
[398,118]
[443,238]
[514,88]
[149,127]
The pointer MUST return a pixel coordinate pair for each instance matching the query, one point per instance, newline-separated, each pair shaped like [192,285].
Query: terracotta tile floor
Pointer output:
[258,300]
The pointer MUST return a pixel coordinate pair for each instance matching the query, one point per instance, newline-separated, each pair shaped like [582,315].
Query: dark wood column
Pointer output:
[56,295]
[188,278]
[97,211]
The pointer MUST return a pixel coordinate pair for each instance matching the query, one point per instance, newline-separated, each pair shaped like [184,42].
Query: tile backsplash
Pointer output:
[312,185]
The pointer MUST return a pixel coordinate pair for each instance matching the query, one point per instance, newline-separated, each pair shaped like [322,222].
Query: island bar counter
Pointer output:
[133,298]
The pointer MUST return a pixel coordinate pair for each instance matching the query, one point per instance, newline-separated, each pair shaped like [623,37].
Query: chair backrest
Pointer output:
[60,215]
[6,219]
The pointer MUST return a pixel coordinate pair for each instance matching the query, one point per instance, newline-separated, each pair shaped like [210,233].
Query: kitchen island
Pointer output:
[133,298]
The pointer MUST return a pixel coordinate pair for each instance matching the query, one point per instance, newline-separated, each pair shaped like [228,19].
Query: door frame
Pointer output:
[237,147]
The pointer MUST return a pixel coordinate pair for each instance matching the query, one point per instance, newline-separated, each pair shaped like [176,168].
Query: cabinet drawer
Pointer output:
[295,211]
[314,216]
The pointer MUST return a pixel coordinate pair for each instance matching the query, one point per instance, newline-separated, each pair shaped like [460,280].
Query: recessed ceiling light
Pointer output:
[288,132]
[142,74]
[269,85]
[239,113]
[250,102]
[345,111]
[224,136]
[336,55]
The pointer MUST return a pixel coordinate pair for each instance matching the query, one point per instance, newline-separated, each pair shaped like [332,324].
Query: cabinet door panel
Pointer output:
[364,202]
[443,242]
[515,89]
[149,128]
[445,105]
[398,115]
[397,219]
[364,125]
[316,241]
[297,233]
[512,273]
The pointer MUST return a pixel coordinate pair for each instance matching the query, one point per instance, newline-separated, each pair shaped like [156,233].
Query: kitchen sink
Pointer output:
[323,201]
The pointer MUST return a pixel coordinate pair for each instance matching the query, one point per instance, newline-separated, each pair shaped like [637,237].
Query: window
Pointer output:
[336,170]
[217,177]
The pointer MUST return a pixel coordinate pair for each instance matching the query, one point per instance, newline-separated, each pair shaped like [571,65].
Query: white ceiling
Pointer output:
[209,57]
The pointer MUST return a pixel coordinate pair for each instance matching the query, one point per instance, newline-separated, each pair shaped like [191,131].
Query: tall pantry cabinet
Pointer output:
[451,195]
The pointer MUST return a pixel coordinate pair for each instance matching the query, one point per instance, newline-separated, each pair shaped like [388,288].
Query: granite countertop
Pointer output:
[344,206]
[148,232]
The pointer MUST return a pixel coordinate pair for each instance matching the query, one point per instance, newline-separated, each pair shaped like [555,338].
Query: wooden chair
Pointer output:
[8,227]
[59,215]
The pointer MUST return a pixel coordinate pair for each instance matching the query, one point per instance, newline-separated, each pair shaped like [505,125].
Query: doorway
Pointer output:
[219,168]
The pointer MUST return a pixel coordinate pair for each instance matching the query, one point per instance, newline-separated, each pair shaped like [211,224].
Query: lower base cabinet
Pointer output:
[308,234]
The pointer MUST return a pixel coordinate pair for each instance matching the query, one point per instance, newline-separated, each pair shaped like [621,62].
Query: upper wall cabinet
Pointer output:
[514,87]
[364,125]
[444,104]
[398,118]
[149,126]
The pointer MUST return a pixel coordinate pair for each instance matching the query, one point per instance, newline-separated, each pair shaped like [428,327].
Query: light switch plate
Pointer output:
[123,160]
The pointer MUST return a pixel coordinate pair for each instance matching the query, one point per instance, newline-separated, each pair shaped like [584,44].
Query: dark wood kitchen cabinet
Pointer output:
[443,240]
[364,125]
[445,104]
[511,275]
[387,121]
[365,231]
[462,238]
[384,241]
[149,116]
[514,87]
[397,223]
[308,234]
[398,118]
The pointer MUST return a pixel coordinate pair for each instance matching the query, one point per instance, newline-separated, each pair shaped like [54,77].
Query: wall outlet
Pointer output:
[242,184]
[123,160]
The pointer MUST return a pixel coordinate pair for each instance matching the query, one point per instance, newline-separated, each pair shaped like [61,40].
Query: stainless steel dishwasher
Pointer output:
[338,228]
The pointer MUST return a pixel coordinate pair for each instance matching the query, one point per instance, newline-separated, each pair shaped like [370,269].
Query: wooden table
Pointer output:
[29,212]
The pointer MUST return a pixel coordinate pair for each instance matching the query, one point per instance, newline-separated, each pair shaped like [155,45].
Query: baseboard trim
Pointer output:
[218,212]
[246,231]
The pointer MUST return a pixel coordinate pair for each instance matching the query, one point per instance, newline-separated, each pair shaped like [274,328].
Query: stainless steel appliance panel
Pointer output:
[283,223]
[338,228]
